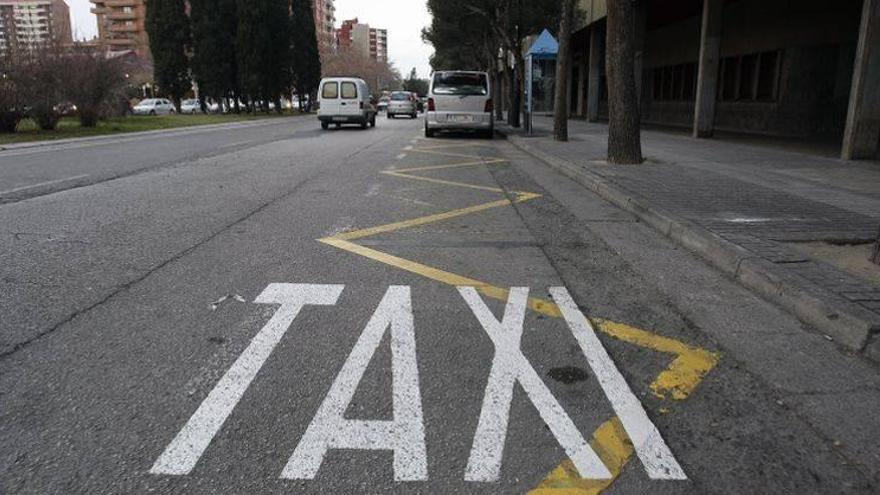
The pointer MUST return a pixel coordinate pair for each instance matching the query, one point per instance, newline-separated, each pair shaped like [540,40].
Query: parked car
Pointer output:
[153,106]
[345,100]
[461,101]
[192,106]
[382,106]
[402,103]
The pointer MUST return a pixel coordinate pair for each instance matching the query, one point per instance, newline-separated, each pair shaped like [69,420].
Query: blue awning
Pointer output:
[545,47]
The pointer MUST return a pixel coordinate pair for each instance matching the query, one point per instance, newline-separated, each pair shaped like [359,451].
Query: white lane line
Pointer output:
[509,366]
[401,156]
[408,148]
[42,184]
[182,454]
[649,445]
[405,434]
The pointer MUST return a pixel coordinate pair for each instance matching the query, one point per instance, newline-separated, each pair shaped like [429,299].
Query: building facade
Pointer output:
[808,69]
[370,42]
[28,24]
[325,22]
[121,25]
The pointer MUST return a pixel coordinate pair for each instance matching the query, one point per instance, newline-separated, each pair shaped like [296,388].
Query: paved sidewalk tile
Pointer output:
[756,197]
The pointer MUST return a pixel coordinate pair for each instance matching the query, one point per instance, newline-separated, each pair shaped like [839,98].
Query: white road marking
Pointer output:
[509,366]
[408,148]
[401,156]
[182,454]
[405,434]
[658,460]
[374,190]
[42,184]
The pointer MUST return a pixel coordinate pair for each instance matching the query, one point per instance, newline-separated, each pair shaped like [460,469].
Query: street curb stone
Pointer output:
[846,323]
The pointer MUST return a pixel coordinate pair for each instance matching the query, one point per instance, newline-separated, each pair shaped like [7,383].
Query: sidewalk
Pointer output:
[766,216]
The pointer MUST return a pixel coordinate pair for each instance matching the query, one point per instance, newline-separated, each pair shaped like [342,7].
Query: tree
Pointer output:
[379,75]
[262,46]
[306,58]
[214,24]
[563,68]
[169,31]
[94,83]
[41,78]
[624,136]
[875,256]
[414,84]
[11,98]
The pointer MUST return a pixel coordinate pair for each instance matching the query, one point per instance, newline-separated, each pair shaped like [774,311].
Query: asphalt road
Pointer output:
[269,308]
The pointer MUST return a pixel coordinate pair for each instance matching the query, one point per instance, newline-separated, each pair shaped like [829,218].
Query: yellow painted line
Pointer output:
[453,165]
[455,145]
[434,152]
[678,380]
[614,448]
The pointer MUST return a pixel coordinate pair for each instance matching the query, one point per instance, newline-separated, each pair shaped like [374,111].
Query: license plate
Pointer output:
[461,118]
[340,119]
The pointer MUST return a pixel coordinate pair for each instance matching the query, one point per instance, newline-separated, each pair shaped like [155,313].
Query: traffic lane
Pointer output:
[733,434]
[32,172]
[94,406]
[66,252]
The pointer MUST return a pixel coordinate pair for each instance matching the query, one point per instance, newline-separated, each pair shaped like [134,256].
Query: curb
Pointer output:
[850,325]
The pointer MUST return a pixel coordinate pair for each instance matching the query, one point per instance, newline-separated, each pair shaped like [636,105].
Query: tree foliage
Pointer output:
[415,85]
[95,83]
[214,24]
[169,30]
[305,58]
[379,75]
[262,45]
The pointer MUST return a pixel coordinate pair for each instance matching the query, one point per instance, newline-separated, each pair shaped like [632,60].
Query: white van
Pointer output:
[460,100]
[345,100]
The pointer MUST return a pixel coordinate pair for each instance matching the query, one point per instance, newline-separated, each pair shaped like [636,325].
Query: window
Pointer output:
[349,91]
[674,83]
[461,83]
[752,77]
[330,91]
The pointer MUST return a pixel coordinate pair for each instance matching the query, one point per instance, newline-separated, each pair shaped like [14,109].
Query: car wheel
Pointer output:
[153,113]
[373,121]
[364,124]
[413,116]
[325,125]
[339,126]
[429,133]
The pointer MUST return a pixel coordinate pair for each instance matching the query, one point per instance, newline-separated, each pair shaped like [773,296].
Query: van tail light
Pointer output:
[431,106]
[489,107]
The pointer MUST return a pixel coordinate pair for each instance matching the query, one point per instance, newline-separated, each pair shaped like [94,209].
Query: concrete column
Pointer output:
[596,50]
[707,77]
[862,134]
[581,88]
[640,9]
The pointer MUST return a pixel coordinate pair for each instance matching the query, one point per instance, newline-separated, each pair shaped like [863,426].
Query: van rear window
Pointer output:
[349,90]
[330,91]
[460,83]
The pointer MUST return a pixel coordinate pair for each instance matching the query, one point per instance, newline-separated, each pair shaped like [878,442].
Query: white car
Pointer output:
[153,106]
[460,101]
[190,106]
[345,100]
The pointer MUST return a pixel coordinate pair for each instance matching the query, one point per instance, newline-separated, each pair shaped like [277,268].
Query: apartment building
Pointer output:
[371,42]
[325,22]
[26,24]
[121,25]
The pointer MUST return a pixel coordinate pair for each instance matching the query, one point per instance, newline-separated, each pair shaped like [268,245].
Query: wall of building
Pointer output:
[786,67]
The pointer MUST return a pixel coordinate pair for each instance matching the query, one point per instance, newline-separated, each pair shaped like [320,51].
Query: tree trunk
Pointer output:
[624,137]
[875,257]
[563,71]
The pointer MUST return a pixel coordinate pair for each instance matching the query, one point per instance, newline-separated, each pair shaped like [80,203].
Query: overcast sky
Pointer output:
[404,20]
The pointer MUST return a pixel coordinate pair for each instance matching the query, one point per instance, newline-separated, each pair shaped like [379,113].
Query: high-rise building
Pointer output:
[325,22]
[27,24]
[371,42]
[121,25]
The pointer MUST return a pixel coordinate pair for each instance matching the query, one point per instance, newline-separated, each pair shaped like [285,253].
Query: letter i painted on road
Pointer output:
[405,434]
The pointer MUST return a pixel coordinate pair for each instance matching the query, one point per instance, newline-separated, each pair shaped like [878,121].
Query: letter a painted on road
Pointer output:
[405,434]
[509,367]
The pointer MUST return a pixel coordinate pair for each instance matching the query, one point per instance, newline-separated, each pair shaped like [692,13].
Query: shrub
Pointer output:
[95,85]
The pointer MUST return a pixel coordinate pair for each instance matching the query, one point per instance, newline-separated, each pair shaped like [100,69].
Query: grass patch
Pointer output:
[70,128]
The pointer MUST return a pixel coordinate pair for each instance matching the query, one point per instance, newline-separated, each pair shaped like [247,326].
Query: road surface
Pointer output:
[269,308]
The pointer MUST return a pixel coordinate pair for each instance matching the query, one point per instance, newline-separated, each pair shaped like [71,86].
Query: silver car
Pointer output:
[402,103]
[153,106]
[460,101]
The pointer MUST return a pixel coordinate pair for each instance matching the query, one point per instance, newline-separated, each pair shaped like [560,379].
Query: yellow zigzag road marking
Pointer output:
[609,441]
